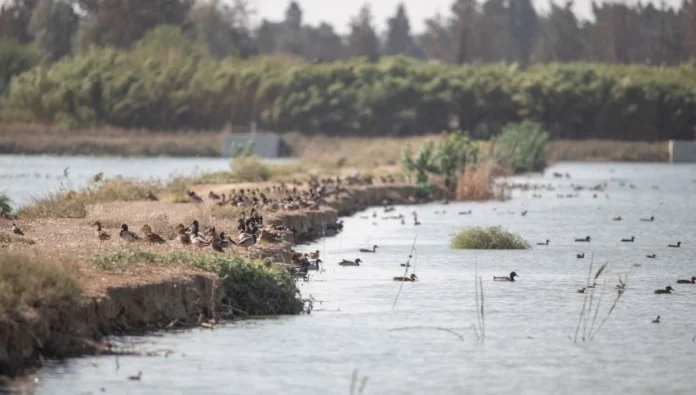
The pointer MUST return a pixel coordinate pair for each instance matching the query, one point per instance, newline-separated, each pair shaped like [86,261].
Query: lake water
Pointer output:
[26,177]
[529,323]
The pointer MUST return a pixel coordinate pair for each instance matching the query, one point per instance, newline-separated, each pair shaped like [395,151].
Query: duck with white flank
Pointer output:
[127,235]
[504,278]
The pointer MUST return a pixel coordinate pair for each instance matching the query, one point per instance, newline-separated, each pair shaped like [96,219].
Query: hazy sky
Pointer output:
[339,12]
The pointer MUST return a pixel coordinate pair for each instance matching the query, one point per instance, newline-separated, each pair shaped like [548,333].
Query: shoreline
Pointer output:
[182,299]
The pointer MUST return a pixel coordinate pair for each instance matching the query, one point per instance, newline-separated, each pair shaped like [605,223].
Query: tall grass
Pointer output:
[488,238]
[255,287]
[521,147]
[5,205]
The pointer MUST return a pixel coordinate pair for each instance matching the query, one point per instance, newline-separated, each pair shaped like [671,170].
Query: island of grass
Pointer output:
[488,238]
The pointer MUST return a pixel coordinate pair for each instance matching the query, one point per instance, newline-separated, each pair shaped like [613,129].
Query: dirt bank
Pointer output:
[147,298]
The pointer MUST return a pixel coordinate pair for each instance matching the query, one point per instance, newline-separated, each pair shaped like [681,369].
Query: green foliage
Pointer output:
[449,157]
[256,287]
[16,59]
[489,238]
[5,205]
[521,147]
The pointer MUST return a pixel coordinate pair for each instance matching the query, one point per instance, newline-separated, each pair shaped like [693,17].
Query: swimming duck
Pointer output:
[592,286]
[543,244]
[653,256]
[127,235]
[581,291]
[631,240]
[410,278]
[346,262]
[503,278]
[617,218]
[585,240]
[151,237]
[16,230]
[692,281]
[416,222]
[651,219]
[101,235]
[580,256]
[150,196]
[373,250]
[676,245]
[667,290]
[656,320]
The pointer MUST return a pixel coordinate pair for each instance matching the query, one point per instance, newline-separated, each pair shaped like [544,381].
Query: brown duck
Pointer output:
[151,237]
[101,235]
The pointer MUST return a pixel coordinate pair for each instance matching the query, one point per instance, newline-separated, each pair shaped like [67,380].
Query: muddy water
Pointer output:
[529,324]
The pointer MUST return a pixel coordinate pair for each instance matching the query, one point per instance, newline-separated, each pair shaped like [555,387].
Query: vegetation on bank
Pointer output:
[521,147]
[488,238]
[161,83]
[255,287]
[5,205]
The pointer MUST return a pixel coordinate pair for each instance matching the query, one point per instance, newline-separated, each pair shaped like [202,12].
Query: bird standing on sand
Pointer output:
[193,197]
[101,235]
[151,237]
[150,196]
[127,235]
[16,230]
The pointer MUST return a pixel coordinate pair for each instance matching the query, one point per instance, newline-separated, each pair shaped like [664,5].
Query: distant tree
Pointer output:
[363,40]
[495,43]
[222,27]
[290,39]
[14,20]
[120,23]
[53,23]
[560,36]
[463,28]
[265,37]
[399,40]
[322,43]
[523,29]
[688,27]
[437,40]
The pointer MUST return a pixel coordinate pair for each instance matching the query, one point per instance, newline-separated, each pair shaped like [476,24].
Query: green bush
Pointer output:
[447,158]
[15,59]
[521,147]
[5,205]
[489,238]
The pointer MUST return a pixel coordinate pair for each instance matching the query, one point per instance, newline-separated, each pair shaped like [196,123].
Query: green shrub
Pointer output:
[5,205]
[521,147]
[489,238]
[448,157]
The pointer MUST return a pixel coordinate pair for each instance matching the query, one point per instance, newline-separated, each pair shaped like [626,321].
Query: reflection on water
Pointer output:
[528,323]
[24,178]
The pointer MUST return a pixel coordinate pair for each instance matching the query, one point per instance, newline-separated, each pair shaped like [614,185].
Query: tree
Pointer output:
[688,11]
[291,40]
[560,38]
[222,28]
[523,29]
[322,43]
[399,40]
[14,20]
[362,40]
[53,23]
[463,25]
[437,40]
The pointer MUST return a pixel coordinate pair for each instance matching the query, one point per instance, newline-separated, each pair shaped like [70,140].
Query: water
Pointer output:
[529,324]
[24,177]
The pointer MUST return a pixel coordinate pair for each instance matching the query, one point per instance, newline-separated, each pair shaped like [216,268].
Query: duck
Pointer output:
[224,241]
[416,222]
[410,278]
[592,286]
[373,250]
[213,196]
[198,240]
[183,237]
[504,278]
[656,320]
[314,255]
[127,235]
[692,281]
[617,219]
[99,233]
[675,245]
[631,240]
[580,256]
[314,265]
[16,230]
[544,244]
[193,197]
[651,219]
[215,243]
[346,262]
[150,196]
[651,256]
[246,240]
[667,290]
[151,237]
[581,291]
[585,240]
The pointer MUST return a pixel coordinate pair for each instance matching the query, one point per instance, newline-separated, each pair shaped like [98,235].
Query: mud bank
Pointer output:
[177,301]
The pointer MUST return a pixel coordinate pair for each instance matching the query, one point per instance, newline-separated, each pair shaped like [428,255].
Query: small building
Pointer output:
[682,151]
[266,144]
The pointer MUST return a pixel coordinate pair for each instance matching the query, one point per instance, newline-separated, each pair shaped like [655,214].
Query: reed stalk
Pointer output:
[584,302]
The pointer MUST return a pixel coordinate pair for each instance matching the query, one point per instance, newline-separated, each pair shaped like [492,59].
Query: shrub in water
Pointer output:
[521,147]
[490,238]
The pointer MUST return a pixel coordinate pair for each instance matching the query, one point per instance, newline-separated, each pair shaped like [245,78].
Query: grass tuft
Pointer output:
[490,238]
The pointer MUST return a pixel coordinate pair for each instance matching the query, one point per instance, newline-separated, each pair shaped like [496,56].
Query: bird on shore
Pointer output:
[346,262]
[506,278]
[373,250]
[16,230]
[581,256]
[183,237]
[193,197]
[667,290]
[631,240]
[127,235]
[410,278]
[150,196]
[585,240]
[651,219]
[543,244]
[150,236]
[692,281]
[99,233]
[213,196]
[314,255]
[675,245]
[652,256]
[656,320]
